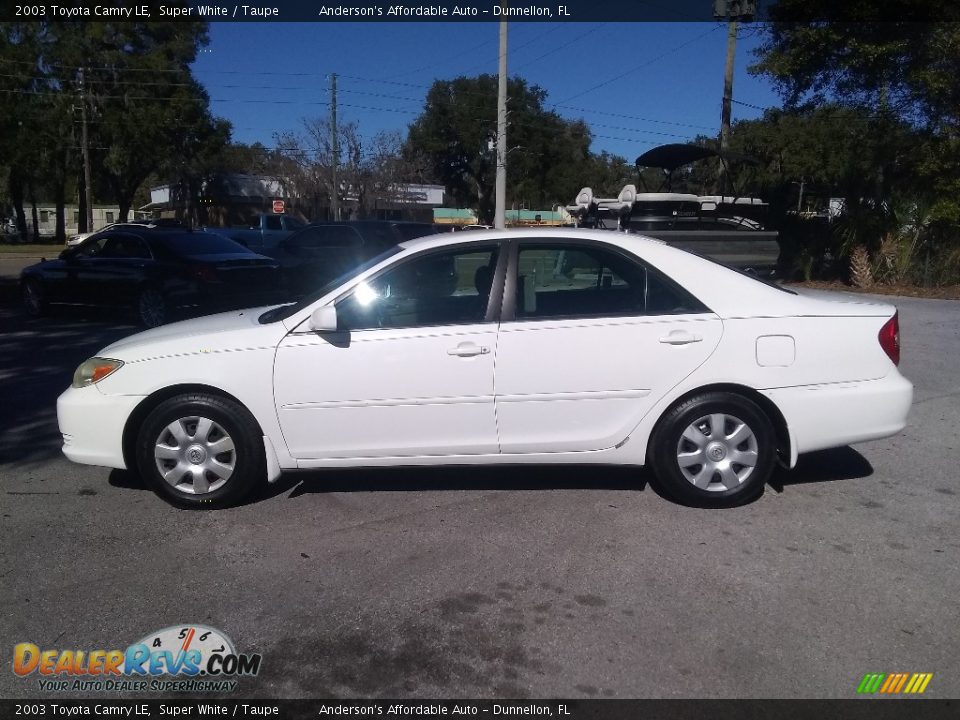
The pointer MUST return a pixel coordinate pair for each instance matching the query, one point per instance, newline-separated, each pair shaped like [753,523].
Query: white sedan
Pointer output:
[534,346]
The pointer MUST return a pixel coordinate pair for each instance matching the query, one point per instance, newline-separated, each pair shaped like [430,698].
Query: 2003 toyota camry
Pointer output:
[559,346]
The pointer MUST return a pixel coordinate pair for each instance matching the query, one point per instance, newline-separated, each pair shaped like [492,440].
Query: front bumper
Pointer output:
[92,425]
[837,414]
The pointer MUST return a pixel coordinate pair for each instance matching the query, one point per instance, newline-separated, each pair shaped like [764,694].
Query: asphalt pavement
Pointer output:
[529,582]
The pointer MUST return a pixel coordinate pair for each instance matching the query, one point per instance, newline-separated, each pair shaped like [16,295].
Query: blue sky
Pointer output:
[636,84]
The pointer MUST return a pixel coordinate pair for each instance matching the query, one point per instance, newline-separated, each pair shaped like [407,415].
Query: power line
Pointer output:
[639,67]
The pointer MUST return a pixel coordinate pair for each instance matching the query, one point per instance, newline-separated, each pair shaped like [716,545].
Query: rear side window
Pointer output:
[273,222]
[571,281]
[200,243]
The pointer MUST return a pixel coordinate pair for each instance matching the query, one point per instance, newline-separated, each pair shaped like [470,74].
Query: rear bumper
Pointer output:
[838,414]
[92,425]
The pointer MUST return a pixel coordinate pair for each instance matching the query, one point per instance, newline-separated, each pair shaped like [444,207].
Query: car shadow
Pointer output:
[818,467]
[466,477]
[843,463]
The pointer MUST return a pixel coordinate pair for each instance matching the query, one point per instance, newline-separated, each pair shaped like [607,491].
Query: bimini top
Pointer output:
[674,155]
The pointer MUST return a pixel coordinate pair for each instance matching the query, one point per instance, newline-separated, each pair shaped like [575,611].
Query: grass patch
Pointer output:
[31,248]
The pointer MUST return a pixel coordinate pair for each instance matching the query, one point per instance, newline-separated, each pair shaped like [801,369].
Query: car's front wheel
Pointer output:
[151,307]
[34,298]
[201,451]
[716,449]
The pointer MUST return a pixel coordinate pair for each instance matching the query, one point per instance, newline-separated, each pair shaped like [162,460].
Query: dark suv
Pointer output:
[314,255]
[155,272]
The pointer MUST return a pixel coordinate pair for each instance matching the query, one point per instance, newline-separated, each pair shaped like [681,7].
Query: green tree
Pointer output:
[548,159]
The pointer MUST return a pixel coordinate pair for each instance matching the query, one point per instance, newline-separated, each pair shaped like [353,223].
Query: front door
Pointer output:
[596,338]
[410,371]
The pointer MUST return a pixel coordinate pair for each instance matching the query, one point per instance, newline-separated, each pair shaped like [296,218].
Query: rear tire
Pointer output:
[714,450]
[201,451]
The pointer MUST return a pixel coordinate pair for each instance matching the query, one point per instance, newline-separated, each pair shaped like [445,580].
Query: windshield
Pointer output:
[201,243]
[285,311]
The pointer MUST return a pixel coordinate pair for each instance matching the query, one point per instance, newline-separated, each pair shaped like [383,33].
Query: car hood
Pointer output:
[212,333]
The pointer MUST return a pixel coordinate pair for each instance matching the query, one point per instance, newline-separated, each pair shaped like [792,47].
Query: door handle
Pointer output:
[680,337]
[468,350]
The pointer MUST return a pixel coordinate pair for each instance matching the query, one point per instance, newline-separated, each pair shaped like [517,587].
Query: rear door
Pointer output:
[591,339]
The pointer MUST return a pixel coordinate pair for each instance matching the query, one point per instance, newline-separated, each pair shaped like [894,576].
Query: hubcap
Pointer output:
[31,296]
[195,455]
[717,452]
[151,308]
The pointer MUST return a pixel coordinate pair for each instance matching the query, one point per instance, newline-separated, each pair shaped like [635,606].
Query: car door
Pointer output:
[590,340]
[409,372]
[111,273]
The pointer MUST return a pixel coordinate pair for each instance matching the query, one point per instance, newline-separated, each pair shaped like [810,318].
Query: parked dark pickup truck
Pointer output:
[267,230]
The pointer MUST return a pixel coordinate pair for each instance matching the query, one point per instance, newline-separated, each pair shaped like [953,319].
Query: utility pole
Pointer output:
[733,11]
[500,215]
[85,150]
[335,192]
[725,109]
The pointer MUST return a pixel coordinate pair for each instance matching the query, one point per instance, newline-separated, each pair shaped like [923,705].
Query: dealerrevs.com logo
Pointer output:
[180,658]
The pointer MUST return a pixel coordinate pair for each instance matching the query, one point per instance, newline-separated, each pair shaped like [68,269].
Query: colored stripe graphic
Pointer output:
[894,683]
[871,683]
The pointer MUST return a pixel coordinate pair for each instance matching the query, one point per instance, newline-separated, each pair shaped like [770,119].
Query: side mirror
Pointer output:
[324,319]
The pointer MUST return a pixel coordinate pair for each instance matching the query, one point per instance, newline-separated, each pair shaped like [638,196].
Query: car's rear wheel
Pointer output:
[151,307]
[716,449]
[34,298]
[201,451]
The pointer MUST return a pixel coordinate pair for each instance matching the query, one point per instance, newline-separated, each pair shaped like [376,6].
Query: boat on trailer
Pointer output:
[731,229]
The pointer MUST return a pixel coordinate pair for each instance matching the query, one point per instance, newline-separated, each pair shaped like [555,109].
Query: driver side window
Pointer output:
[439,288]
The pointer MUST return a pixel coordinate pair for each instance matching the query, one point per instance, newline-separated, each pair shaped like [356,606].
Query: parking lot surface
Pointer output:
[497,582]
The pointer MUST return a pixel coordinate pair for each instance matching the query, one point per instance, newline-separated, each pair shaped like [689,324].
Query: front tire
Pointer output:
[201,451]
[151,307]
[714,450]
[34,298]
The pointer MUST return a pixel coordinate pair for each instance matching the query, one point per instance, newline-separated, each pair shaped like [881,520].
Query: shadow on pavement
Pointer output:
[37,360]
[843,463]
[823,466]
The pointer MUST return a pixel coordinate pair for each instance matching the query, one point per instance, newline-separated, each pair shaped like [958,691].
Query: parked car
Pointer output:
[319,252]
[155,272]
[534,346]
[161,223]
[264,232]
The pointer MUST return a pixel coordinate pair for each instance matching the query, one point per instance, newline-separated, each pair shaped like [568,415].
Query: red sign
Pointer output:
[278,207]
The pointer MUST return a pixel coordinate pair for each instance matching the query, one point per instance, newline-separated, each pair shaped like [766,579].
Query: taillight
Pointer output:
[889,338]
[203,273]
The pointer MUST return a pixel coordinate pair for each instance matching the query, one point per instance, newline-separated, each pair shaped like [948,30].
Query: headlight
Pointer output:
[94,370]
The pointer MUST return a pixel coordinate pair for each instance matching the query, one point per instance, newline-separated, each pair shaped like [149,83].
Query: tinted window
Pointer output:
[409,231]
[439,288]
[308,237]
[200,243]
[272,222]
[587,281]
[342,236]
[123,246]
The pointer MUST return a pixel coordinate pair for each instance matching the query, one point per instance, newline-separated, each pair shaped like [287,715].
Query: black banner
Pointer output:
[862,709]
[481,11]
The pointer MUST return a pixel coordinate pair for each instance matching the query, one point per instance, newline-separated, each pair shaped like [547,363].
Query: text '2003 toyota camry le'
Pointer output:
[538,346]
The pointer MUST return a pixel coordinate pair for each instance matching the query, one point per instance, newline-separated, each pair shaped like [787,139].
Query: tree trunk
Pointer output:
[34,216]
[124,203]
[61,229]
[16,196]
[82,203]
